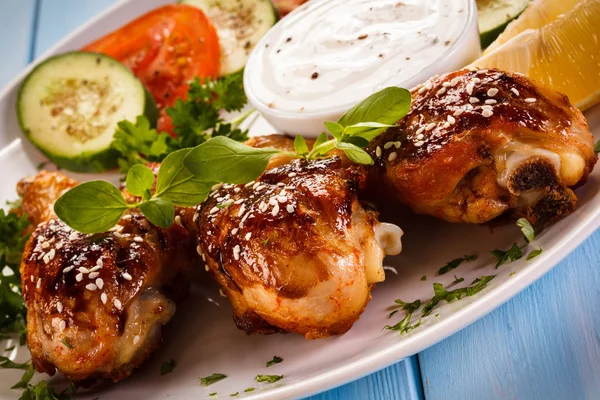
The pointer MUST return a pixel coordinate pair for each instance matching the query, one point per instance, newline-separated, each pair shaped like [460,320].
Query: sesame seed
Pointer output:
[94,269]
[428,85]
[39,283]
[237,190]
[292,174]
[199,250]
[392,156]
[470,87]
[515,91]
[530,100]
[214,210]
[491,101]
[91,286]
[178,220]
[46,259]
[93,275]
[260,187]
[204,257]
[62,325]
[419,144]
[32,279]
[420,130]
[100,283]
[236,252]
[257,184]
[216,186]
[79,277]
[103,298]
[441,91]
[487,113]
[248,235]
[454,81]
[127,216]
[282,199]
[482,71]
[73,236]
[430,126]
[136,339]
[289,187]
[247,185]
[492,92]
[206,267]
[220,199]
[59,307]
[138,239]
[421,136]
[242,210]
[262,207]
[69,268]
[476,80]
[127,275]
[196,215]
[451,119]
[473,100]
[422,90]
[446,124]
[238,201]
[388,145]
[446,84]
[397,145]
[45,245]
[272,201]
[290,208]
[234,231]
[487,107]
[117,303]
[221,293]
[275,210]
[84,270]
[99,262]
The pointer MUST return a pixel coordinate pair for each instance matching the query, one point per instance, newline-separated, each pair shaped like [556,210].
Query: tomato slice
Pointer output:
[165,49]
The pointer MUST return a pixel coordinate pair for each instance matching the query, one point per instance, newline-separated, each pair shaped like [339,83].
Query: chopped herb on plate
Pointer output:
[209,380]
[450,265]
[268,378]
[512,254]
[275,360]
[168,367]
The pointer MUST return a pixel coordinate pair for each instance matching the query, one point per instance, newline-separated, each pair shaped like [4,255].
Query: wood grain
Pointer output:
[542,344]
[16,23]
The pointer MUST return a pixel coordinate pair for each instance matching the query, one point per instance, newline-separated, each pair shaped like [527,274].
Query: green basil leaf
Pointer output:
[177,184]
[91,207]
[367,130]
[224,160]
[356,140]
[300,145]
[527,229]
[335,129]
[320,140]
[159,211]
[387,106]
[355,153]
[323,148]
[139,179]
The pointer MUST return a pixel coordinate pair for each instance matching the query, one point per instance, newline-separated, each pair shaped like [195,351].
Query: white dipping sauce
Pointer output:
[330,54]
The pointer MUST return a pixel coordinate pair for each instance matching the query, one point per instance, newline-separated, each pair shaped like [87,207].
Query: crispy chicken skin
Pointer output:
[96,304]
[480,143]
[295,251]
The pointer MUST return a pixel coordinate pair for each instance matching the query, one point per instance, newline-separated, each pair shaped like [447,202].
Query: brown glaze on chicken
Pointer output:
[96,304]
[478,144]
[295,251]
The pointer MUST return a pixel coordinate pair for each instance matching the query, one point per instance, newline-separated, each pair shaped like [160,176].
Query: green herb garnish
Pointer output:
[527,229]
[209,380]
[424,278]
[458,280]
[212,394]
[268,378]
[404,326]
[392,313]
[250,389]
[410,307]
[234,394]
[275,360]
[455,263]
[442,294]
[67,344]
[167,367]
[597,147]
[512,254]
[534,253]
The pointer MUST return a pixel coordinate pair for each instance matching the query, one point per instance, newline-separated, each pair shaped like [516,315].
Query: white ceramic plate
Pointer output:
[204,340]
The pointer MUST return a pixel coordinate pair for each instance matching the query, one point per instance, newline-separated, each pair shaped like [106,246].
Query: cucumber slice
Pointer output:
[494,15]
[240,24]
[69,106]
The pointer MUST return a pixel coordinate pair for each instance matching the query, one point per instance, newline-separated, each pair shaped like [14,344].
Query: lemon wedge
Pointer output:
[564,54]
[537,14]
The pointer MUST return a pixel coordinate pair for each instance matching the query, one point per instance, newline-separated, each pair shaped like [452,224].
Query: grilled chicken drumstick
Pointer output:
[96,304]
[295,251]
[480,143]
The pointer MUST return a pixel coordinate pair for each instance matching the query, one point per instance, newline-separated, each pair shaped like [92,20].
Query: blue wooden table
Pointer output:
[543,344]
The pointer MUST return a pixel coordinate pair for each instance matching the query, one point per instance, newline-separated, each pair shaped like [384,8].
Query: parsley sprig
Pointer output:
[186,176]
[195,120]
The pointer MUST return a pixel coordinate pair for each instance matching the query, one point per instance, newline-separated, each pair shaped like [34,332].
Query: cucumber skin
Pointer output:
[86,162]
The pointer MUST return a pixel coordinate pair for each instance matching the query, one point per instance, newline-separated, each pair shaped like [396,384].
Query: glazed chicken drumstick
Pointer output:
[295,251]
[480,143]
[96,304]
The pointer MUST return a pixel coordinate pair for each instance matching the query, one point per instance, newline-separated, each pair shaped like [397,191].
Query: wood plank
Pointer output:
[399,382]
[17,21]
[543,344]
